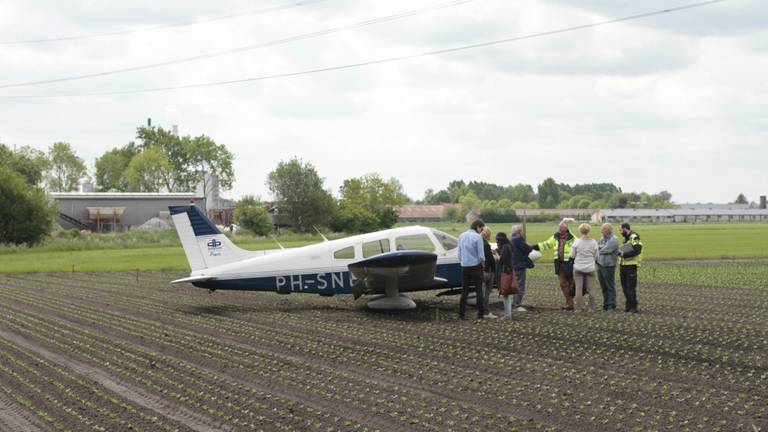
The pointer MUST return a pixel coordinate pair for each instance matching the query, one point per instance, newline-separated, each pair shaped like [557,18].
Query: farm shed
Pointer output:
[422,213]
[682,215]
[112,211]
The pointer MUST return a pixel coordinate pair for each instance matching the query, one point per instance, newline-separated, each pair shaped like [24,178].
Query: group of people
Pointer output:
[578,262]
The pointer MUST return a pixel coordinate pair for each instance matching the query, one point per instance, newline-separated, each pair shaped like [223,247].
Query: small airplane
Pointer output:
[385,263]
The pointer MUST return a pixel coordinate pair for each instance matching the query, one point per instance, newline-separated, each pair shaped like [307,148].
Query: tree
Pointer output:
[190,158]
[429,194]
[354,219]
[210,158]
[470,206]
[457,189]
[374,195]
[26,217]
[66,168]
[520,192]
[486,191]
[111,166]
[452,214]
[299,194]
[32,164]
[441,197]
[741,199]
[549,193]
[251,215]
[149,171]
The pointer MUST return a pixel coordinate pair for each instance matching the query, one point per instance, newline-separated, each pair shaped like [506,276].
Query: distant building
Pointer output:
[422,213]
[116,211]
[689,215]
[710,206]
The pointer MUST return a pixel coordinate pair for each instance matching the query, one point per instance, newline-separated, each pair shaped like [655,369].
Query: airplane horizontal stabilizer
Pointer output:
[193,279]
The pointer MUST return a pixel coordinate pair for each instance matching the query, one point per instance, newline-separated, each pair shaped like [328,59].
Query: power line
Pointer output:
[162,27]
[304,36]
[385,60]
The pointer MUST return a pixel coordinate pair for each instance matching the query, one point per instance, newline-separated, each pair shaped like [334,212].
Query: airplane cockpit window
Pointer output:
[448,242]
[415,242]
[375,247]
[346,253]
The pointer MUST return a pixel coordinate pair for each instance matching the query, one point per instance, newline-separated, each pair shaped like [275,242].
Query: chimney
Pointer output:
[762,202]
[149,121]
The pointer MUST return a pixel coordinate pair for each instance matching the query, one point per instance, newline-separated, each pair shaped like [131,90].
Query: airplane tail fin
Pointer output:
[204,245]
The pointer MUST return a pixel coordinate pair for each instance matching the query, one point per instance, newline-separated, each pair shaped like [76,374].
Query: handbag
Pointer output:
[507,283]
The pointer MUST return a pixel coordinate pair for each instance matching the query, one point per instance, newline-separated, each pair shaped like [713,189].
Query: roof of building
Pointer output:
[421,211]
[555,211]
[700,206]
[125,195]
[636,212]
[681,212]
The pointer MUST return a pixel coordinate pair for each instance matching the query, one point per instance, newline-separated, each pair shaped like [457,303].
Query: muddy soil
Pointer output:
[89,351]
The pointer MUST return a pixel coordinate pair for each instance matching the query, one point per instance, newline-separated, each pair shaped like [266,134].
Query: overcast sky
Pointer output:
[673,102]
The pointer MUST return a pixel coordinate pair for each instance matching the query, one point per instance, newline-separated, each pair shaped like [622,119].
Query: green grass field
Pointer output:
[661,242]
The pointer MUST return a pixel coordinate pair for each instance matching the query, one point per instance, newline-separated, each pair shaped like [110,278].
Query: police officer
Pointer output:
[631,255]
[561,244]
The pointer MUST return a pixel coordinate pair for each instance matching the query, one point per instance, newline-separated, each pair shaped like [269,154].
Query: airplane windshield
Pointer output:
[448,242]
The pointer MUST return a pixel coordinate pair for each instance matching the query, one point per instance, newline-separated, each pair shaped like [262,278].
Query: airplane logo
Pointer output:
[214,244]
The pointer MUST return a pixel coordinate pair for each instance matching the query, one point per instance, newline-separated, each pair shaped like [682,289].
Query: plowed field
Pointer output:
[121,351]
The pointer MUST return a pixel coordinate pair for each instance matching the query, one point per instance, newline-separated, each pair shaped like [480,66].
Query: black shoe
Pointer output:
[463,318]
[633,311]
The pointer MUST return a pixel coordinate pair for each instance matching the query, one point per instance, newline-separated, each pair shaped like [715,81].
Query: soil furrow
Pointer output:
[193,420]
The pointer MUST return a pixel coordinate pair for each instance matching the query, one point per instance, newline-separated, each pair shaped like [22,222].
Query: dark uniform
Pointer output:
[630,261]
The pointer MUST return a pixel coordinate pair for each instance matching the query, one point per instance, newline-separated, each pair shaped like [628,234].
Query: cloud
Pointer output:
[676,98]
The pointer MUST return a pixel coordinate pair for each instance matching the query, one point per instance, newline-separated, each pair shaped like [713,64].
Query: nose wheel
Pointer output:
[392,299]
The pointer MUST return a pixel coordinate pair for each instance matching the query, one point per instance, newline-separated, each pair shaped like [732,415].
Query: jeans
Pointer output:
[507,299]
[471,276]
[607,278]
[518,299]
[628,276]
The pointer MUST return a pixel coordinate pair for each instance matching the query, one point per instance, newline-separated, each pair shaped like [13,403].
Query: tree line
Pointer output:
[365,204]
[158,161]
[161,161]
[550,194]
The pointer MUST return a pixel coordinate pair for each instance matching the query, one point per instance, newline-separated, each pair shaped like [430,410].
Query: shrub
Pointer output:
[251,215]
[26,216]
[353,219]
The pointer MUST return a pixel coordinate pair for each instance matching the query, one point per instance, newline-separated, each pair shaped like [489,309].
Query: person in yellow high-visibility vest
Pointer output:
[631,255]
[561,244]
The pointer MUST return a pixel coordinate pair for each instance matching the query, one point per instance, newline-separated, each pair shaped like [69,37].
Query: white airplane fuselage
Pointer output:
[321,268]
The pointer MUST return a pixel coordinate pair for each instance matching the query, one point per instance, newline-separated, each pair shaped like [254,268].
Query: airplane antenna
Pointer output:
[321,234]
[278,243]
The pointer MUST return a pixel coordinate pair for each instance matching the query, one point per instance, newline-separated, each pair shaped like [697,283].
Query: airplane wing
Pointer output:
[395,272]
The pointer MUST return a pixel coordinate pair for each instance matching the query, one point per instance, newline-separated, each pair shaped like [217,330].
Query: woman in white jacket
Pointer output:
[585,255]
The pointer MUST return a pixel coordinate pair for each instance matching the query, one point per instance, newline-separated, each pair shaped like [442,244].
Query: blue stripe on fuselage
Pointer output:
[329,283]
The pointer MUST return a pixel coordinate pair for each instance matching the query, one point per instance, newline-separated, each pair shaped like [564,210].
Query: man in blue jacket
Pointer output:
[472,260]
[520,251]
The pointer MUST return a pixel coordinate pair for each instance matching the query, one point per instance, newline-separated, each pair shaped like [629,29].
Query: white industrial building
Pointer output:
[117,211]
[682,215]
